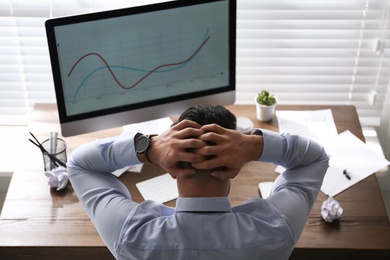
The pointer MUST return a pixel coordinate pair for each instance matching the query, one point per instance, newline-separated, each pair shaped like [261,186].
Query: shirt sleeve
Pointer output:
[295,190]
[104,197]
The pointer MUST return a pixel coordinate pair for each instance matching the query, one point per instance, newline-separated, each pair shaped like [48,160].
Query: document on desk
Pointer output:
[351,161]
[134,168]
[315,124]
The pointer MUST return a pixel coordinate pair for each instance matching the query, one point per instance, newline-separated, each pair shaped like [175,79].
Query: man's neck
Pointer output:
[203,185]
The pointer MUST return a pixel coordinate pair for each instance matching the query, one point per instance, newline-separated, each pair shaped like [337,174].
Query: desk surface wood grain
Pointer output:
[37,221]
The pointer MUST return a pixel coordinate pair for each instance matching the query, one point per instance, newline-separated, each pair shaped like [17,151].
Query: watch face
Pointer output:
[141,144]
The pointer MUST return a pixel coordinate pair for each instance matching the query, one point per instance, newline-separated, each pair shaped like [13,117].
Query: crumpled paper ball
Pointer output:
[58,177]
[331,210]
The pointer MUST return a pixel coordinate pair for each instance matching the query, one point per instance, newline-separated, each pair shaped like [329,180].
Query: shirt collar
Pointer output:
[208,204]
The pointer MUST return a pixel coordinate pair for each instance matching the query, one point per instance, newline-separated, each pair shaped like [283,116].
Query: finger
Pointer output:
[180,172]
[211,137]
[213,128]
[188,172]
[207,150]
[191,158]
[189,145]
[185,124]
[189,132]
[207,164]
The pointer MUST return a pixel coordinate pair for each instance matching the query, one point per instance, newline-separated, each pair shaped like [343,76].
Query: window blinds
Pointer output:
[306,52]
[25,71]
[314,52]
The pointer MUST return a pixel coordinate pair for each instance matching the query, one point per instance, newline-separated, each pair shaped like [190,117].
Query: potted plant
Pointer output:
[265,105]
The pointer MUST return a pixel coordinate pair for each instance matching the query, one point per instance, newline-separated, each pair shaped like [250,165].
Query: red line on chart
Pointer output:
[142,78]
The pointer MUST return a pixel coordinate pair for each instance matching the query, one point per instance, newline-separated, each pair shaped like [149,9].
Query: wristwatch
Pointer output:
[142,145]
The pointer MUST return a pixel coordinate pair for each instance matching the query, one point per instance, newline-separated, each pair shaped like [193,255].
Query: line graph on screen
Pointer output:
[114,70]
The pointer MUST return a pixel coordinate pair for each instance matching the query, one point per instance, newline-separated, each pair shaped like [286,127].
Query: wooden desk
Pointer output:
[38,222]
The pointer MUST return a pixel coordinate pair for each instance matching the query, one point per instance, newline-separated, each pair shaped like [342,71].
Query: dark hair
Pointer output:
[207,114]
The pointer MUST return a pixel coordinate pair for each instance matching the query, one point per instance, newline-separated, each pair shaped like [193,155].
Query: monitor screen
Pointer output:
[130,65]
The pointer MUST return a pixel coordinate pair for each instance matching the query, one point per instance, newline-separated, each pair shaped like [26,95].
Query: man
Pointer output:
[203,154]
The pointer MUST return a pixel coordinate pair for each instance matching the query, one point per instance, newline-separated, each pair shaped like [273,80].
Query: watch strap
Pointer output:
[143,158]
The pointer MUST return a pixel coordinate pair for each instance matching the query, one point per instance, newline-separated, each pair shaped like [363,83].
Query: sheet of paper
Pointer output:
[157,126]
[265,189]
[133,168]
[315,124]
[162,188]
[347,152]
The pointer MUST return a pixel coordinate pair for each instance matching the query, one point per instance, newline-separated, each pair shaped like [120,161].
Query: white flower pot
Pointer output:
[265,113]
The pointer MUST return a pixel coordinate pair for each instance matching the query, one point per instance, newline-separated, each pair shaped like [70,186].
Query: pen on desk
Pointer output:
[53,147]
[346,174]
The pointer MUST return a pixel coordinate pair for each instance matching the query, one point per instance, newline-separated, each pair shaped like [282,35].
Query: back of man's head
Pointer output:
[203,184]
[207,114]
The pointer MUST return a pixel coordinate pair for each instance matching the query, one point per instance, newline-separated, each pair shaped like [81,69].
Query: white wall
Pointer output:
[5,179]
[11,140]
[384,129]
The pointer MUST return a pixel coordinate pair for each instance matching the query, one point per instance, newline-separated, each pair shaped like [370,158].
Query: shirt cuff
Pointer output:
[120,150]
[272,146]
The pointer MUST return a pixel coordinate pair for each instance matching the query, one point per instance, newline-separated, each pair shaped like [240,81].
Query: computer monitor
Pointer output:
[130,65]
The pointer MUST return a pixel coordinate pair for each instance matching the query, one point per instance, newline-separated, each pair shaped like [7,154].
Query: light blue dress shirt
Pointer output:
[199,228]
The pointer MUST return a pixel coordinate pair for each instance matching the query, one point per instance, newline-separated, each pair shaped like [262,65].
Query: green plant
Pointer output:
[265,98]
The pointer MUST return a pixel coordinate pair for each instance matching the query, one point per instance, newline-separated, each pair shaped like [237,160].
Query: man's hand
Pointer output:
[231,150]
[175,145]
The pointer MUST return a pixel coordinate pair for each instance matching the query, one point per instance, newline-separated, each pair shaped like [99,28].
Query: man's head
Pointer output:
[206,114]
[202,184]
